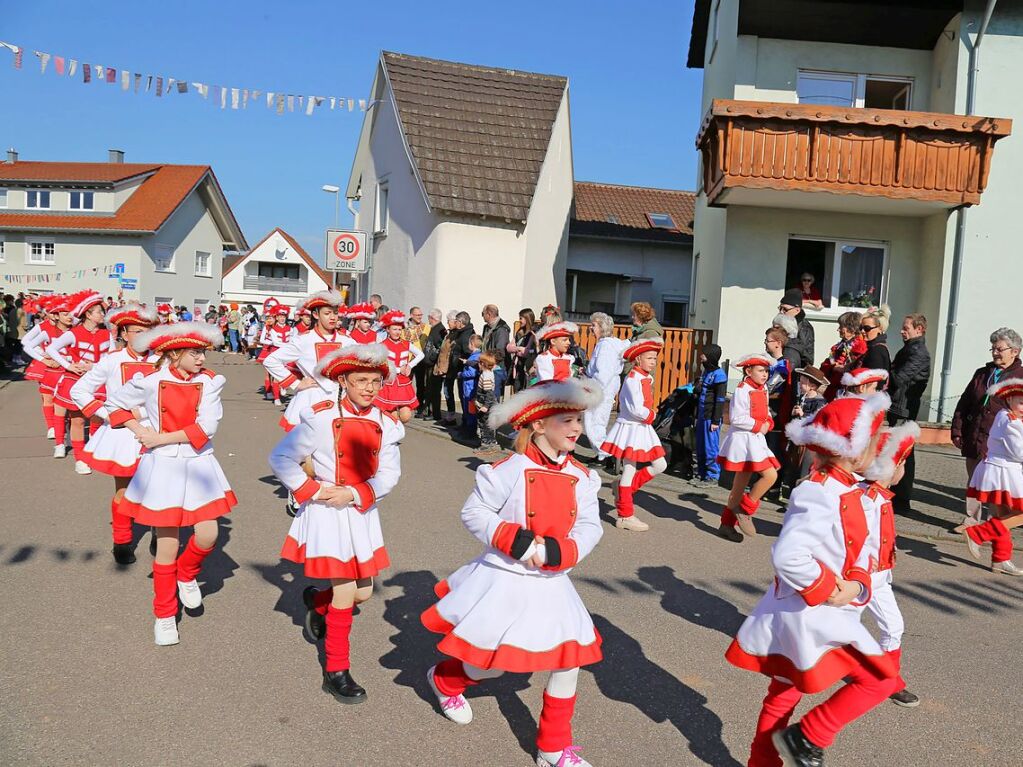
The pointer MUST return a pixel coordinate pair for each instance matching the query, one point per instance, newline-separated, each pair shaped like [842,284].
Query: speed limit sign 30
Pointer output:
[346,251]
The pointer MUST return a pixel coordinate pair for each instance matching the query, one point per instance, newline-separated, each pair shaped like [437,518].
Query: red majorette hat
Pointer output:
[361,312]
[282,309]
[53,304]
[893,447]
[269,305]
[131,314]
[557,330]
[1010,387]
[547,398]
[331,298]
[753,359]
[357,358]
[843,427]
[79,303]
[164,309]
[393,317]
[861,376]
[641,346]
[179,335]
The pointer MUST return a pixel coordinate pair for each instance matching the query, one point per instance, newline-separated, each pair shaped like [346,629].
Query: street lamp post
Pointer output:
[336,191]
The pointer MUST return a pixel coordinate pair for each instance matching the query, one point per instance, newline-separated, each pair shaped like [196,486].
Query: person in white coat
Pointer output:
[605,367]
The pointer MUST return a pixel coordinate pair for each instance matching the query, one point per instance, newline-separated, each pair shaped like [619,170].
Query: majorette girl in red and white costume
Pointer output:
[45,371]
[632,438]
[304,352]
[514,608]
[744,449]
[863,381]
[336,533]
[806,633]
[362,331]
[77,350]
[998,481]
[303,320]
[165,314]
[178,482]
[274,337]
[556,364]
[893,448]
[399,394]
[116,451]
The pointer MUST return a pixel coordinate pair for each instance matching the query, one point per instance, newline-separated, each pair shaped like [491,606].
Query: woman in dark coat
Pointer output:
[873,329]
[522,351]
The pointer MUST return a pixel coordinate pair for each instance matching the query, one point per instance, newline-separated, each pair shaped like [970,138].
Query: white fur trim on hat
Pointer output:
[748,359]
[995,390]
[556,328]
[580,394]
[883,467]
[864,375]
[805,432]
[374,355]
[332,297]
[143,312]
[210,333]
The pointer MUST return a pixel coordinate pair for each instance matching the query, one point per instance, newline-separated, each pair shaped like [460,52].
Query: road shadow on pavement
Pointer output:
[279,490]
[628,676]
[691,603]
[680,511]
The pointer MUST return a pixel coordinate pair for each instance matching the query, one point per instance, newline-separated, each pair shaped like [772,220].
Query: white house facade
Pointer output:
[276,267]
[152,233]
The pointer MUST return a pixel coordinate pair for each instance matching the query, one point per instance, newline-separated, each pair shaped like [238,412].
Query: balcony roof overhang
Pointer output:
[913,24]
[829,202]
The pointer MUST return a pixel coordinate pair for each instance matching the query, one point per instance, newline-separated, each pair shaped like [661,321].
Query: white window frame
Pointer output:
[4,197]
[836,272]
[859,82]
[381,211]
[170,264]
[209,264]
[81,199]
[28,196]
[42,242]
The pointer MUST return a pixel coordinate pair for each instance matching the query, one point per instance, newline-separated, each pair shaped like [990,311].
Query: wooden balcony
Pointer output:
[939,159]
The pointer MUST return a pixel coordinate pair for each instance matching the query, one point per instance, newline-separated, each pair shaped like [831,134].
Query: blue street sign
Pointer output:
[129,284]
[119,268]
[114,276]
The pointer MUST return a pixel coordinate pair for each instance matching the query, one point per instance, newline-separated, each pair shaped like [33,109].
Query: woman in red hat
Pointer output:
[77,350]
[513,608]
[274,337]
[807,633]
[362,331]
[116,451]
[178,482]
[45,371]
[632,438]
[556,364]
[336,535]
[745,451]
[398,394]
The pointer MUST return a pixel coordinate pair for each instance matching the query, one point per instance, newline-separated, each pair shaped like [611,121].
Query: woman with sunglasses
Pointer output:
[873,327]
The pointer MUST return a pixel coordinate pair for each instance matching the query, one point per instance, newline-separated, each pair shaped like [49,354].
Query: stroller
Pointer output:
[674,424]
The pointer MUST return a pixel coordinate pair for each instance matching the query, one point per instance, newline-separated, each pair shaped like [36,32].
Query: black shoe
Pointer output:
[905,698]
[152,544]
[123,553]
[315,624]
[795,750]
[290,507]
[611,465]
[344,689]
[730,534]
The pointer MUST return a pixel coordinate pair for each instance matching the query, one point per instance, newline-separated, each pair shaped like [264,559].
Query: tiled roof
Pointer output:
[230,262]
[478,135]
[81,172]
[611,210]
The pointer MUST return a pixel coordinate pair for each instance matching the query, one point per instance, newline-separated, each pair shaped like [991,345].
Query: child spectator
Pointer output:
[468,378]
[711,390]
[811,384]
[485,398]
[252,332]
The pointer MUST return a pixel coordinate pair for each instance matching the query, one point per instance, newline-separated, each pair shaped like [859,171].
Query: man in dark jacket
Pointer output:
[496,337]
[911,370]
[460,352]
[792,305]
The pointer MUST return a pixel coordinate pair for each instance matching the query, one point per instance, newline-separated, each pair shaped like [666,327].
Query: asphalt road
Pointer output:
[83,684]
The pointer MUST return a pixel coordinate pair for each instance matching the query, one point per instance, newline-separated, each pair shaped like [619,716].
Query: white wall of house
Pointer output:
[72,252]
[275,250]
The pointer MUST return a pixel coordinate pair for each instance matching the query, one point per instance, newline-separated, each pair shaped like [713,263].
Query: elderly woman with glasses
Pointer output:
[811,293]
[976,412]
[873,327]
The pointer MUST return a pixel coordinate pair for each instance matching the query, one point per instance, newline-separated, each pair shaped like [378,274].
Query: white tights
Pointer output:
[561,684]
[629,471]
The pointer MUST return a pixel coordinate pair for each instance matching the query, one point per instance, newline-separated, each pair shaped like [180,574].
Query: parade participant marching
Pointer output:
[274,337]
[116,451]
[77,350]
[998,481]
[399,394]
[45,371]
[556,364]
[362,331]
[893,448]
[336,533]
[303,321]
[632,439]
[513,608]
[744,450]
[165,313]
[178,482]
[806,633]
[863,381]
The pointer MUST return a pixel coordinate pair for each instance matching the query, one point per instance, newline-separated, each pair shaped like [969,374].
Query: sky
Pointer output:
[635,106]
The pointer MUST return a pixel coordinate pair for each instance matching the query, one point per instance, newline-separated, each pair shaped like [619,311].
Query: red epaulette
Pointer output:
[390,415]
[507,458]
[818,476]
[319,407]
[207,372]
[579,464]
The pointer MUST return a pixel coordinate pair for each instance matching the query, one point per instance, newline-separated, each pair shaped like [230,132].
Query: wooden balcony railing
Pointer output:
[939,158]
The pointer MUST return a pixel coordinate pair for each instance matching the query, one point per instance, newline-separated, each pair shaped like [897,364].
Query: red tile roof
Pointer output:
[231,262]
[613,210]
[81,172]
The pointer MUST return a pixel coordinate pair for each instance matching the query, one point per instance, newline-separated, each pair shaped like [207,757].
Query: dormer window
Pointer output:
[37,200]
[81,201]
[661,221]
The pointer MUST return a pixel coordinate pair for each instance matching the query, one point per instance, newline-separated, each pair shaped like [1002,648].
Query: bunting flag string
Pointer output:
[54,277]
[130,81]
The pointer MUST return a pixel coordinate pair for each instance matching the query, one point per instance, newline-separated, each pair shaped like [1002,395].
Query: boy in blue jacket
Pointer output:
[468,378]
[710,408]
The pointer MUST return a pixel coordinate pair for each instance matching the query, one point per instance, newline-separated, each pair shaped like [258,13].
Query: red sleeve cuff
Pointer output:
[90,410]
[758,425]
[650,417]
[197,438]
[504,537]
[569,555]
[290,380]
[861,577]
[119,418]
[818,592]
[365,497]
[306,490]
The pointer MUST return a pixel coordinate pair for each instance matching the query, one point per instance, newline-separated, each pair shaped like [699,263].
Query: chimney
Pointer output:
[115,155]
[12,155]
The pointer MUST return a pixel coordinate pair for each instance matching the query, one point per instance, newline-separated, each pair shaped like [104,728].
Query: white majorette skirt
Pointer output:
[398,393]
[113,451]
[633,441]
[746,451]
[336,543]
[493,618]
[999,483]
[177,491]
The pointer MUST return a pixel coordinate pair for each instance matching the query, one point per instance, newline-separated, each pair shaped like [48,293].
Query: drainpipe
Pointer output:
[960,241]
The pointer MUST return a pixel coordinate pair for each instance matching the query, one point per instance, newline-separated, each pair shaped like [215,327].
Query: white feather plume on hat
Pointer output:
[557,329]
[883,467]
[371,355]
[330,297]
[811,432]
[571,394]
[144,313]
[210,334]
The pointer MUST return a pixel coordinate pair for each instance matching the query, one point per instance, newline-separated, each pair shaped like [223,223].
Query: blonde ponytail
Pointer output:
[522,440]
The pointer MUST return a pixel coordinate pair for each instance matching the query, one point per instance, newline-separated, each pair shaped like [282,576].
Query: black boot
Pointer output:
[123,553]
[315,624]
[729,533]
[795,750]
[152,543]
[344,689]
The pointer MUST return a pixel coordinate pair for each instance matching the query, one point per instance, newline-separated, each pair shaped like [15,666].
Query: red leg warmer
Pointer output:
[555,730]
[624,505]
[900,683]
[642,477]
[728,517]
[120,523]
[59,429]
[782,699]
[276,386]
[336,643]
[1001,545]
[451,679]
[165,590]
[863,692]
[748,505]
[49,417]
[78,448]
[190,560]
